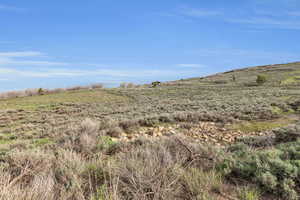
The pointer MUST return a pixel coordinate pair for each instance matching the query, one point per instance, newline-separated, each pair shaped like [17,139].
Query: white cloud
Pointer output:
[231,52]
[285,3]
[30,63]
[26,65]
[196,12]
[47,73]
[18,59]
[9,8]
[262,17]
[187,11]
[231,57]
[270,22]
[21,54]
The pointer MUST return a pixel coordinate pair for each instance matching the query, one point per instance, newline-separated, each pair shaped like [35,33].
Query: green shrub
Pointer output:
[114,132]
[220,82]
[288,185]
[199,183]
[41,91]
[102,194]
[149,122]
[257,141]
[155,84]
[288,134]
[261,79]
[275,170]
[268,180]
[106,143]
[233,78]
[246,193]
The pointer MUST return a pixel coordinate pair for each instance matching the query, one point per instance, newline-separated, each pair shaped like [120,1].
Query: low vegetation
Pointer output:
[95,143]
[261,79]
[41,91]
[85,164]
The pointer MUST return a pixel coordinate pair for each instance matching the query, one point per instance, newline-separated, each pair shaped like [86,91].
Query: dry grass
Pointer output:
[150,170]
[59,145]
[40,91]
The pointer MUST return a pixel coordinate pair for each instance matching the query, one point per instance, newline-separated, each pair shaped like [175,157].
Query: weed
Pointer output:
[246,193]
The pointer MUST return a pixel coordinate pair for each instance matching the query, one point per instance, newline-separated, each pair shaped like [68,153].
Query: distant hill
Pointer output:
[278,75]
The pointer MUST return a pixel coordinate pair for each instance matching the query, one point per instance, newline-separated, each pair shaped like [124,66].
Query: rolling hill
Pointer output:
[224,136]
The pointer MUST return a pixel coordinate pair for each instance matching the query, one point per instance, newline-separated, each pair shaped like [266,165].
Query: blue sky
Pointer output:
[61,43]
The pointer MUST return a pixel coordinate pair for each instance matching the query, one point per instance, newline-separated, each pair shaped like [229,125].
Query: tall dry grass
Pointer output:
[75,167]
[39,91]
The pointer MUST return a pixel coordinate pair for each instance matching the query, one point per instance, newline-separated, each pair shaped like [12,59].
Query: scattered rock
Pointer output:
[201,132]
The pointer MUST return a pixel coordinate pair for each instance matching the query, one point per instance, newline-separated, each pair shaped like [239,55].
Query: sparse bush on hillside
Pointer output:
[89,126]
[62,174]
[74,88]
[288,134]
[155,84]
[128,125]
[40,91]
[233,78]
[251,84]
[56,90]
[165,170]
[261,79]
[128,85]
[31,92]
[96,86]
[220,82]
[247,193]
[258,141]
[89,137]
[114,132]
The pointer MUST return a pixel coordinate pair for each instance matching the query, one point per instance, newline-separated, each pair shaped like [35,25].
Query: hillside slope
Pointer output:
[105,131]
[215,98]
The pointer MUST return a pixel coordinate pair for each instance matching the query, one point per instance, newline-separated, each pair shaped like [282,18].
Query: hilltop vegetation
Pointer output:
[232,135]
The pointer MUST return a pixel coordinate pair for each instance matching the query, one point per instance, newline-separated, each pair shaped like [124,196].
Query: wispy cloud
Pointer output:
[19,58]
[29,64]
[197,12]
[10,8]
[243,53]
[185,11]
[21,54]
[48,73]
[32,63]
[285,3]
[264,22]
[262,17]
[233,57]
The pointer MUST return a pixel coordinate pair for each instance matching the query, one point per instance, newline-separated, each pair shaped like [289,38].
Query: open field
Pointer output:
[217,137]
